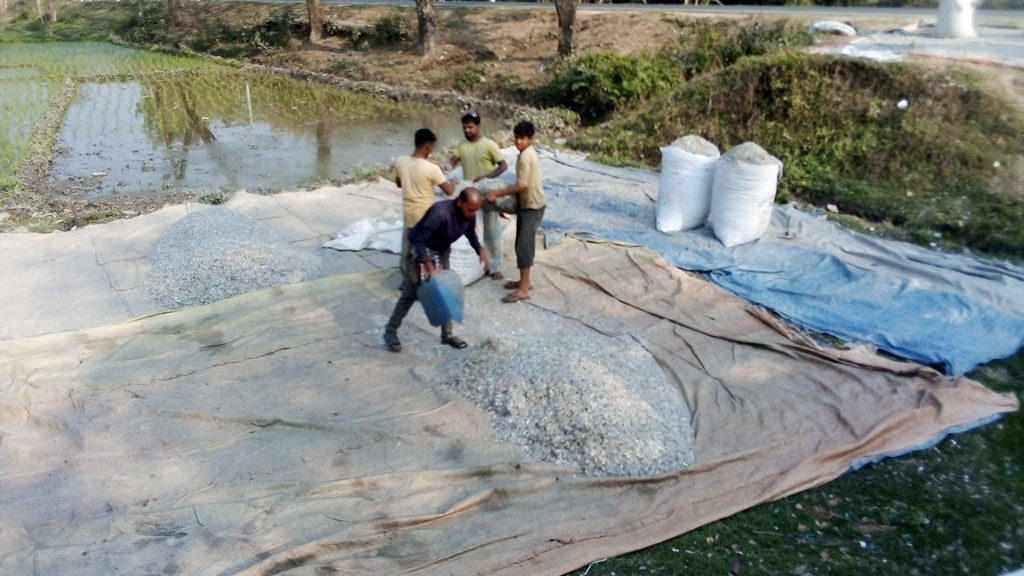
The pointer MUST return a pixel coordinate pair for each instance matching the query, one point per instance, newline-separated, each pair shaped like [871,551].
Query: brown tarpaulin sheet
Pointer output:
[270,433]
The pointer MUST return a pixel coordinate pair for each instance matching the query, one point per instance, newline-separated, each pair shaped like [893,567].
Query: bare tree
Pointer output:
[566,11]
[315,10]
[427,25]
[173,13]
[47,10]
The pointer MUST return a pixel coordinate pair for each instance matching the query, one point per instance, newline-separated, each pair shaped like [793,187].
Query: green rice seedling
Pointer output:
[22,103]
[86,59]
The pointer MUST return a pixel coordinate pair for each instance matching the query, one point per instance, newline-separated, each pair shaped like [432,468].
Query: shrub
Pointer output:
[598,83]
[391,28]
[470,78]
[151,28]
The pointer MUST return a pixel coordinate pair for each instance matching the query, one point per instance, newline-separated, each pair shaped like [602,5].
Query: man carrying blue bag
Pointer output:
[431,240]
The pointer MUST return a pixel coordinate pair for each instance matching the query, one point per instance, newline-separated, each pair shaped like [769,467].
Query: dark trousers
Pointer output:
[411,274]
[527,224]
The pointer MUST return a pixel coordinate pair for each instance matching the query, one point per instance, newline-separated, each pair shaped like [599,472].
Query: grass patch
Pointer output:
[953,509]
[928,166]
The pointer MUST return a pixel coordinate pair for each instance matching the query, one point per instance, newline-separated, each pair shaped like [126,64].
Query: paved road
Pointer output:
[825,12]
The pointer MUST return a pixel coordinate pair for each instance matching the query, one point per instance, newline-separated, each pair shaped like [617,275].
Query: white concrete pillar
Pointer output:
[956,19]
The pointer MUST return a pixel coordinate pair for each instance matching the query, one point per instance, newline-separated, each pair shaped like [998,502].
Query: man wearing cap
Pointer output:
[481,159]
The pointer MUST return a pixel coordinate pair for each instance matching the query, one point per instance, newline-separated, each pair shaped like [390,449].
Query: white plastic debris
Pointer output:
[833,27]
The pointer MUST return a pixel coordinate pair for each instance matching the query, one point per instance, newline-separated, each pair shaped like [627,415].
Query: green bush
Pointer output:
[838,126]
[712,45]
[391,28]
[598,83]
[470,78]
[151,28]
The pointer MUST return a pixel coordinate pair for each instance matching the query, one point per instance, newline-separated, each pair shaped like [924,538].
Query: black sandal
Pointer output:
[392,343]
[455,342]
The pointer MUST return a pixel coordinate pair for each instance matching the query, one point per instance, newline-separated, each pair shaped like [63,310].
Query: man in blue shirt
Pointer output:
[432,238]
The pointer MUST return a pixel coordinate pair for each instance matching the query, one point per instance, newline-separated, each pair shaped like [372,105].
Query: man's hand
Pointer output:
[429,269]
[492,197]
[485,261]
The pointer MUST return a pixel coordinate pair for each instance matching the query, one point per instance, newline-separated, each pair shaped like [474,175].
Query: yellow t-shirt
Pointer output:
[418,177]
[478,158]
[528,175]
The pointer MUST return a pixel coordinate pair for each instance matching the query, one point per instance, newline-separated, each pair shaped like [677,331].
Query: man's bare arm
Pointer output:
[502,166]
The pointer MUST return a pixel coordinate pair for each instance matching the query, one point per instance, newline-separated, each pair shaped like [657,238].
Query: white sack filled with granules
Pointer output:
[743,194]
[684,187]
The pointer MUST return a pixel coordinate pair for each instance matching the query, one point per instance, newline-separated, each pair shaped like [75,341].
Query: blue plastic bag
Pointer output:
[442,297]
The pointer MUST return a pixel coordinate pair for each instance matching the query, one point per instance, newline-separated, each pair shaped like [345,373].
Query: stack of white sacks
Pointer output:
[736,191]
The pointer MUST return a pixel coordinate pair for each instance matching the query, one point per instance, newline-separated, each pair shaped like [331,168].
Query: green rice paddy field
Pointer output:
[153,123]
[31,74]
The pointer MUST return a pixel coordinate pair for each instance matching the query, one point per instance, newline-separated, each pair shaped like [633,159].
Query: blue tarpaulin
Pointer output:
[957,311]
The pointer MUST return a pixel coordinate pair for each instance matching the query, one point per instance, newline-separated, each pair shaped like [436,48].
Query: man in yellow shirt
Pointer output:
[417,176]
[529,191]
[481,158]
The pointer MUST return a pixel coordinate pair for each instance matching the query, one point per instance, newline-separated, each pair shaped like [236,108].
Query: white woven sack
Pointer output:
[684,188]
[743,194]
[463,260]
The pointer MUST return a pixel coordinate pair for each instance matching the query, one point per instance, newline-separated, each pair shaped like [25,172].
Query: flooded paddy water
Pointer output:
[146,124]
[210,131]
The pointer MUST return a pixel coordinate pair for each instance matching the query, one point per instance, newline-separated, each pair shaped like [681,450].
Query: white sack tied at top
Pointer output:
[743,194]
[684,187]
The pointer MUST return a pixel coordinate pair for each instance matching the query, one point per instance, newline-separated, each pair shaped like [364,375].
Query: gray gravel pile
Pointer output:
[696,145]
[570,395]
[750,153]
[218,253]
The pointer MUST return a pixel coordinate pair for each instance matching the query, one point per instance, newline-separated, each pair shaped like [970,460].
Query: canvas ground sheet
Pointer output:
[271,433]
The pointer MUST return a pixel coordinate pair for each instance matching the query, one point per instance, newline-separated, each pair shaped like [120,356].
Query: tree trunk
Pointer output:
[315,10]
[142,8]
[566,11]
[427,25]
[3,8]
[39,10]
[51,11]
[173,13]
